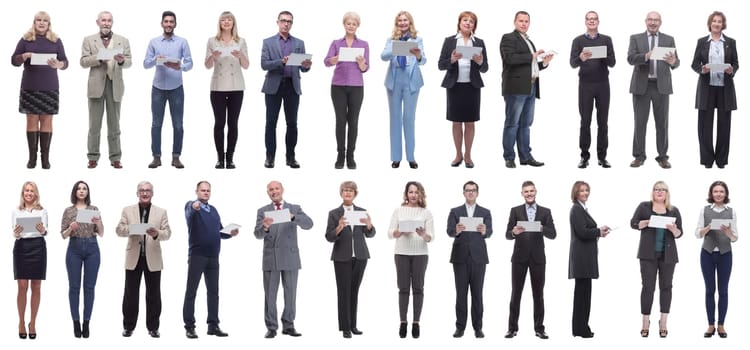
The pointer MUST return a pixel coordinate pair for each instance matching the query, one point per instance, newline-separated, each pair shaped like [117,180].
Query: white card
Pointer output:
[658,53]
[717,67]
[40,59]
[468,51]
[162,60]
[597,51]
[354,217]
[716,223]
[227,51]
[471,223]
[85,215]
[28,223]
[350,54]
[296,59]
[231,227]
[279,216]
[138,229]
[105,54]
[530,226]
[660,221]
[401,48]
[410,225]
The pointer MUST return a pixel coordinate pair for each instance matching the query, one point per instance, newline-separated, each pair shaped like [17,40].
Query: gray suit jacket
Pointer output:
[637,50]
[157,217]
[280,250]
[98,72]
[270,61]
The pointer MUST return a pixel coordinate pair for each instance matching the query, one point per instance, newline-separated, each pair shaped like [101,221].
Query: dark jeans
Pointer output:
[290,99]
[209,268]
[82,258]
[159,99]
[347,101]
[716,267]
[132,294]
[226,106]
[410,272]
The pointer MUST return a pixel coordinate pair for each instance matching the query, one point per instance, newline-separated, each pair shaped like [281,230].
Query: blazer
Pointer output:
[529,246]
[700,57]
[157,217]
[98,69]
[270,61]
[517,60]
[451,70]
[648,235]
[342,243]
[469,246]
[412,66]
[639,46]
[280,250]
[583,261]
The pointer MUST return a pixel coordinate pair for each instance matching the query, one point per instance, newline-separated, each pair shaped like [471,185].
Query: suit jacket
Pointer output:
[280,250]
[529,246]
[639,46]
[157,217]
[469,246]
[647,242]
[451,70]
[517,60]
[412,66]
[98,69]
[342,243]
[700,58]
[584,251]
[270,61]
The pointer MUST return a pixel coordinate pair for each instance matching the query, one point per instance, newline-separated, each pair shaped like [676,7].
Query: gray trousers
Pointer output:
[288,279]
[641,107]
[410,271]
[96,114]
[649,270]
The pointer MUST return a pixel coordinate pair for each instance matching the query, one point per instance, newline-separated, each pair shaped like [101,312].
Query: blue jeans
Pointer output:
[82,256]
[402,104]
[209,268]
[716,266]
[159,99]
[519,115]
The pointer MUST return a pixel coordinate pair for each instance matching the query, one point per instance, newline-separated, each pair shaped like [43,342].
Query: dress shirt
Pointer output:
[716,55]
[347,73]
[173,47]
[534,66]
[85,230]
[464,63]
[702,224]
[531,211]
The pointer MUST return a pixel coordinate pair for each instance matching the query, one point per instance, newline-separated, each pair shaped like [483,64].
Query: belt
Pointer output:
[286,80]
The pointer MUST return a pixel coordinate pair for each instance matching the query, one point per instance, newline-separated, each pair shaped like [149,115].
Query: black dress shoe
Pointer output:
[458,333]
[510,334]
[347,334]
[269,163]
[292,163]
[586,336]
[127,332]
[541,335]
[510,163]
[415,330]
[457,163]
[291,332]
[219,164]
[217,332]
[532,162]
[721,334]
[270,334]
[413,165]
[356,331]
[190,333]
[402,329]
[394,165]
[604,163]
[478,333]
[583,163]
[154,334]
[469,165]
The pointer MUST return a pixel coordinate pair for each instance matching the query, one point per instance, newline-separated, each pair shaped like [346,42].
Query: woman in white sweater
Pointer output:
[412,228]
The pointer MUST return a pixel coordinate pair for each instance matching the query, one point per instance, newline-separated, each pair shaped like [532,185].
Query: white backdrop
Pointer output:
[238,193]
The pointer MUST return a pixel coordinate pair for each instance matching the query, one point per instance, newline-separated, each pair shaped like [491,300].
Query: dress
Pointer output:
[39,84]
[30,252]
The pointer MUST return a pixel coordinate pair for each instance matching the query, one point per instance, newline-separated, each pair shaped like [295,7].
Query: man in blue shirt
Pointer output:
[204,234]
[171,56]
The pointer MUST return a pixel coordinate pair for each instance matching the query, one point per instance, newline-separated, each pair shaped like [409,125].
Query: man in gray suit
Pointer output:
[105,87]
[651,84]
[282,84]
[281,261]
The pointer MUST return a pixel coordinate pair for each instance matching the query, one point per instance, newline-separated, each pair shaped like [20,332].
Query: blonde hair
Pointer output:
[412,29]
[235,36]
[662,184]
[35,204]
[351,15]
[30,35]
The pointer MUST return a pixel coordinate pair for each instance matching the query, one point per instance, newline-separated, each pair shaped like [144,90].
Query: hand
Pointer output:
[397,233]
[342,223]
[648,56]
[234,232]
[416,52]
[54,63]
[704,230]
[670,58]
[517,230]
[460,228]
[367,221]
[674,230]
[96,220]
[547,58]
[196,205]
[267,222]
[482,228]
[727,230]
[306,64]
[705,69]
[455,56]
[478,59]
[40,228]
[120,58]
[284,60]
[17,230]
[642,224]
[151,231]
[74,226]
[173,65]
[604,231]
[26,55]
[729,70]
[333,60]
[585,55]
[361,63]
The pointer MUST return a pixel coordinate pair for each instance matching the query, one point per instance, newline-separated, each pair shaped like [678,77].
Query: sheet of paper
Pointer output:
[597,51]
[717,67]
[660,221]
[401,48]
[230,227]
[469,51]
[105,54]
[40,59]
[530,226]
[410,225]
[279,216]
[471,223]
[350,54]
[353,217]
[226,51]
[29,226]
[162,60]
[545,54]
[659,52]
[716,223]
[85,215]
[296,59]
[138,229]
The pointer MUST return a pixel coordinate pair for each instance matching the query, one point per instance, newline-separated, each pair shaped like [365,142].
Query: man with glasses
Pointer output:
[282,84]
[469,224]
[593,53]
[145,225]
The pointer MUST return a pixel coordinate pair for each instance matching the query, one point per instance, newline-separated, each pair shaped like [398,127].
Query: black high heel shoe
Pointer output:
[22,335]
[662,331]
[711,333]
[457,163]
[644,332]
[32,335]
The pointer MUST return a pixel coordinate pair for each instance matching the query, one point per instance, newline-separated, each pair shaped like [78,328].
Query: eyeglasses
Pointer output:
[471,191]
[145,191]
[592,18]
[287,21]
[660,190]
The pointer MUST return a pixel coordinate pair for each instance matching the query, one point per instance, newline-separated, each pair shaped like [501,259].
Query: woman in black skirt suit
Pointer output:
[29,254]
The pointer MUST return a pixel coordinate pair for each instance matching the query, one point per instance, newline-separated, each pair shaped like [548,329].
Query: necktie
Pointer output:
[278,206]
[652,62]
[143,239]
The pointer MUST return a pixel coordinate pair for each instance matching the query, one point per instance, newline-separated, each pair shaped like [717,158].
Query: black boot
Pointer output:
[230,160]
[220,162]
[45,139]
[77,329]
[33,138]
[340,160]
[85,329]
[350,163]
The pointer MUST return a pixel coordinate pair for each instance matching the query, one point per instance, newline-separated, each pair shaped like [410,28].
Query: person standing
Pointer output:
[204,235]
[469,257]
[593,87]
[143,258]
[651,85]
[170,54]
[281,259]
[528,256]
[105,86]
[715,90]
[522,63]
[282,85]
[40,89]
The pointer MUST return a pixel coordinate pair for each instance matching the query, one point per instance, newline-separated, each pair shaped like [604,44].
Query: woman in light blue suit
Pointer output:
[403,81]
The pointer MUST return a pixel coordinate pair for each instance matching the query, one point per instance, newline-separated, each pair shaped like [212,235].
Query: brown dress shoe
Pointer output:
[664,164]
[117,165]
[636,163]
[92,164]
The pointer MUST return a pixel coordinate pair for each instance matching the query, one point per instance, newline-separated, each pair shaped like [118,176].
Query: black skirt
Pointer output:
[463,103]
[39,102]
[30,259]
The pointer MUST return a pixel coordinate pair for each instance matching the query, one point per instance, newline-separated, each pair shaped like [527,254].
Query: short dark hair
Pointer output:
[284,13]
[527,183]
[202,182]
[471,183]
[711,189]
[167,14]
[521,13]
[74,198]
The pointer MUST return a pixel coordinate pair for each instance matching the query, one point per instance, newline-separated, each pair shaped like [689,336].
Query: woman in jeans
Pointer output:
[82,257]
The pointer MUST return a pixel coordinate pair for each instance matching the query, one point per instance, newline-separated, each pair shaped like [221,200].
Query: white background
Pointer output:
[238,193]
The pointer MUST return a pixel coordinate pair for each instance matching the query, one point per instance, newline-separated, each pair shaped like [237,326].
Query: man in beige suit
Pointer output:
[106,54]
[143,257]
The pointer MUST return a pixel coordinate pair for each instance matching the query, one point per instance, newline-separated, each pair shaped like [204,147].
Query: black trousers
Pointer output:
[708,153]
[226,106]
[347,101]
[581,307]
[348,279]
[132,293]
[590,95]
[649,271]
[469,276]
[518,279]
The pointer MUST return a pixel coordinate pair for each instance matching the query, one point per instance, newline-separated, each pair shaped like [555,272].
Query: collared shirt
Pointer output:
[347,73]
[716,55]
[583,205]
[286,49]
[656,44]
[173,47]
[464,63]
[470,209]
[534,65]
[351,226]
[531,211]
[145,210]
[714,207]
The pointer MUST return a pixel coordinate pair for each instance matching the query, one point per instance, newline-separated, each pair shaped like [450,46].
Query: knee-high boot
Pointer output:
[45,139]
[33,138]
